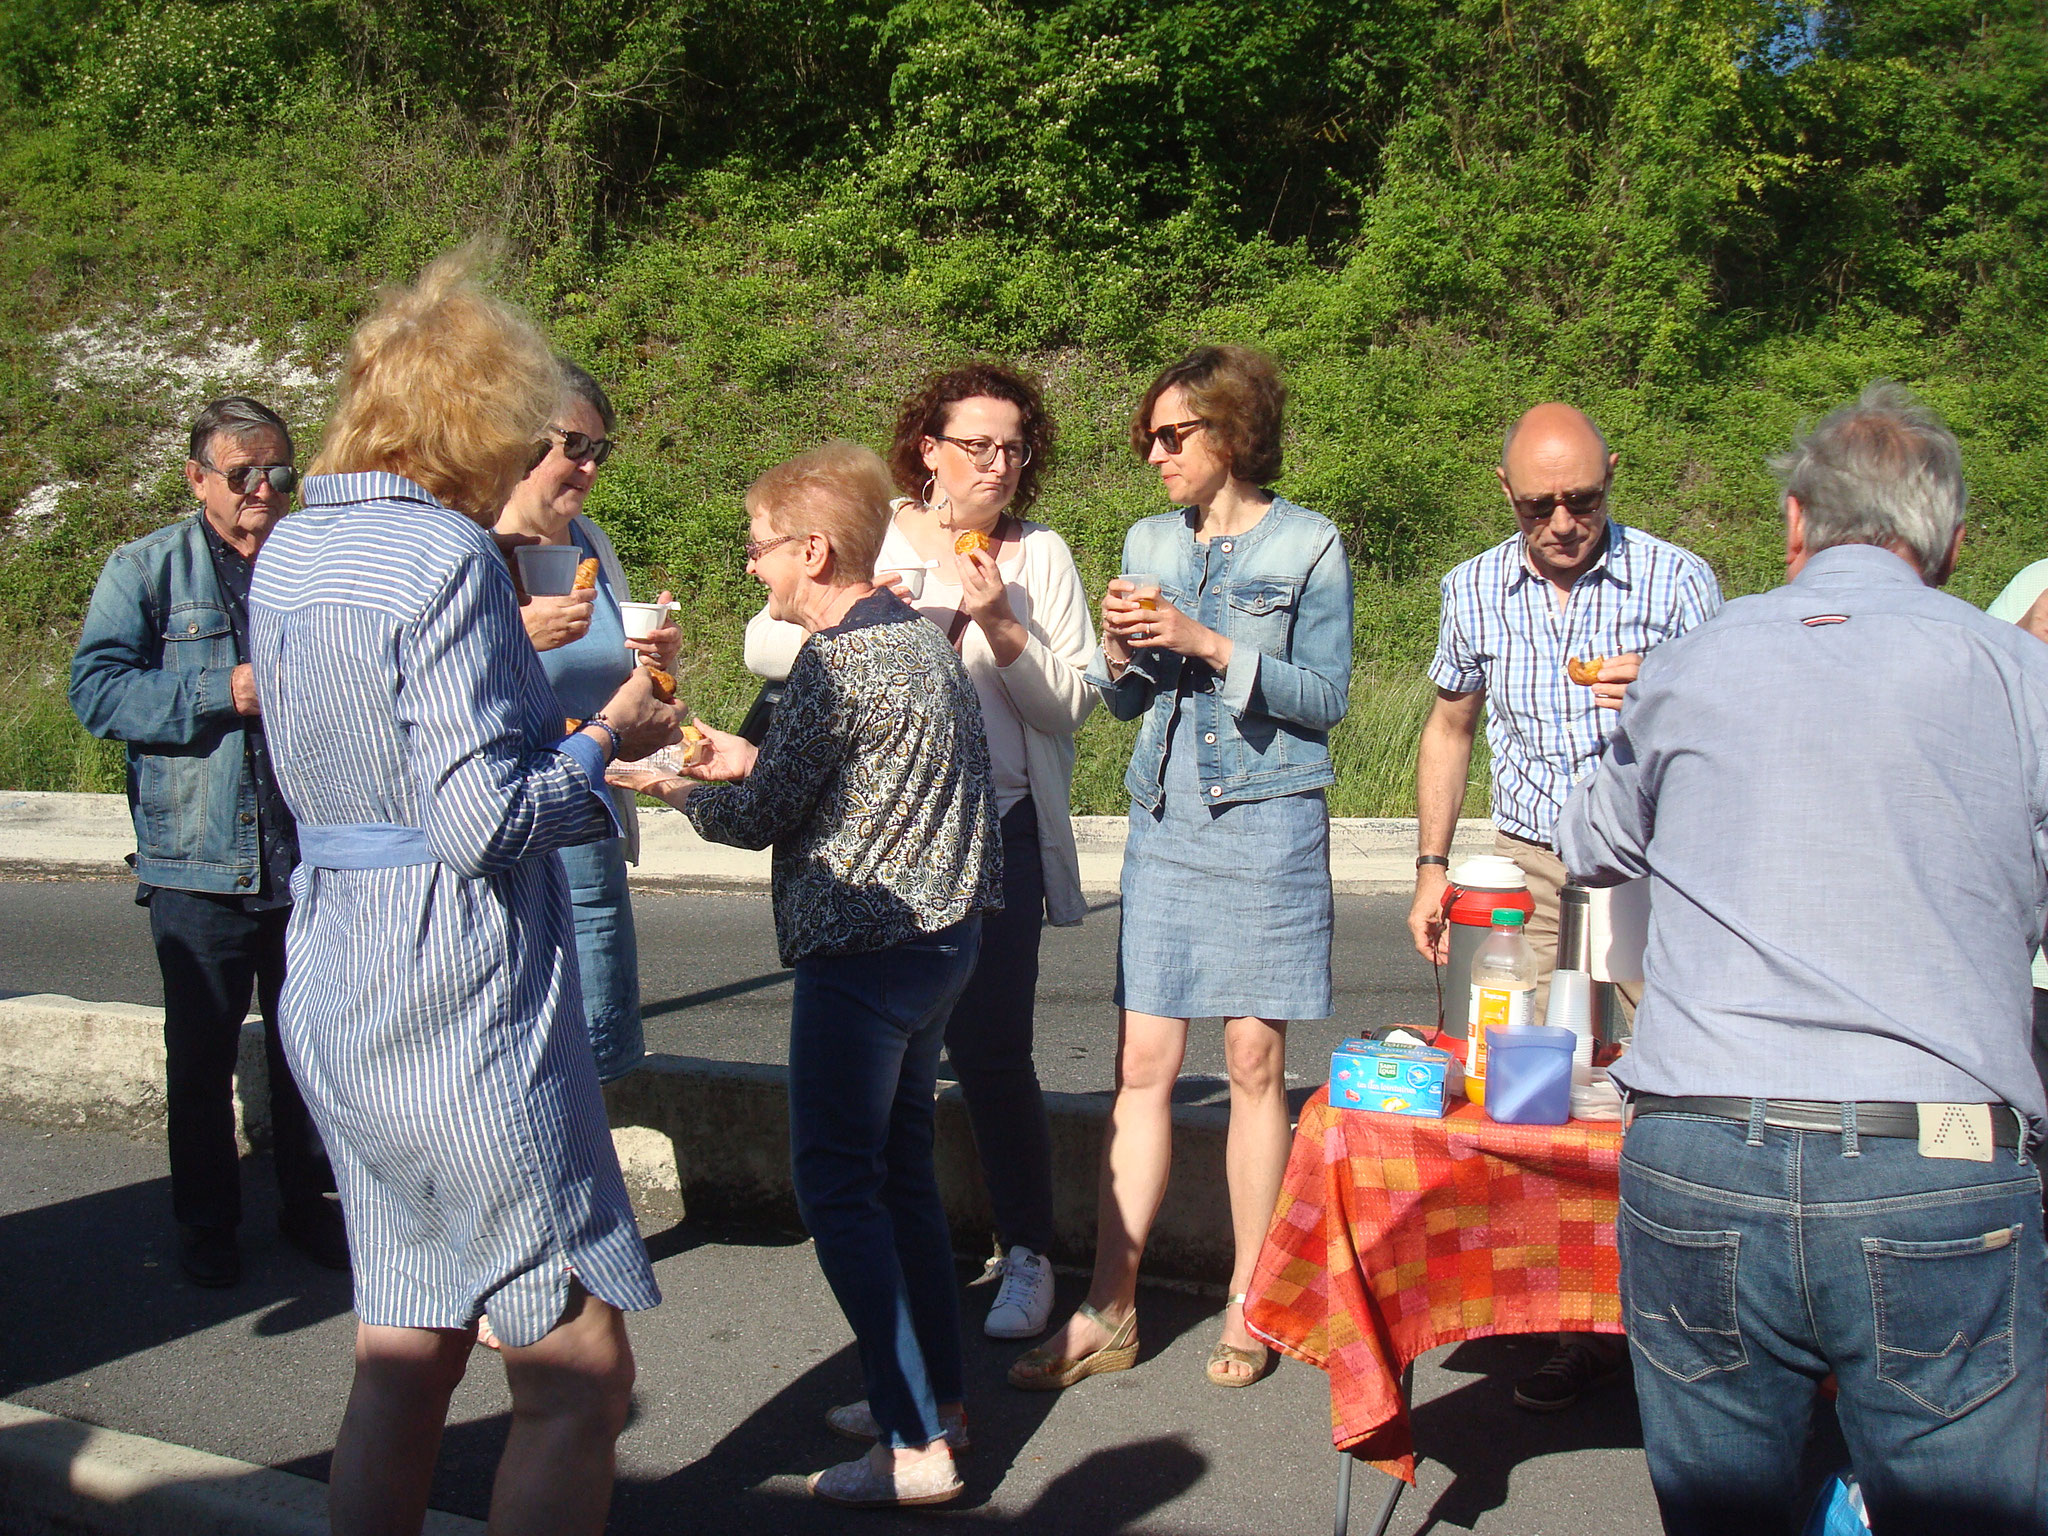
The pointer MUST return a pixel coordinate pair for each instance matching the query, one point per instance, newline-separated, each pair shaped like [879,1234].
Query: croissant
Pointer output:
[586,575]
[973,539]
[664,685]
[1586,672]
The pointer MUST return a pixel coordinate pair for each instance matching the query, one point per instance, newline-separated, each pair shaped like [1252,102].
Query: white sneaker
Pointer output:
[1023,1305]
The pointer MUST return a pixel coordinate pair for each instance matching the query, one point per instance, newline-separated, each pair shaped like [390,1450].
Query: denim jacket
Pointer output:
[1281,592]
[154,669]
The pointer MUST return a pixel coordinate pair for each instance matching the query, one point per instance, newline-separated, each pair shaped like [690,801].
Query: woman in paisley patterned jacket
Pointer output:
[873,785]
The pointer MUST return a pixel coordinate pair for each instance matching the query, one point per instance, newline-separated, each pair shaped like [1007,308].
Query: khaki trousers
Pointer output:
[1546,875]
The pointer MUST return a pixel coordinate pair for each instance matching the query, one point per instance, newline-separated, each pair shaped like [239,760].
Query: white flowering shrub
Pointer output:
[150,73]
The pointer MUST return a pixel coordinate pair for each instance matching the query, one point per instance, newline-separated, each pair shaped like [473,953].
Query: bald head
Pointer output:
[1548,429]
[1554,468]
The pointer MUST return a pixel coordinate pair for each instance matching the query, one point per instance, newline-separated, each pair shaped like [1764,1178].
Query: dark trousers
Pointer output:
[988,1040]
[213,955]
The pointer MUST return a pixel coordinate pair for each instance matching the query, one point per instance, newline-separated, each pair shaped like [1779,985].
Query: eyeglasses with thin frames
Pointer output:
[983,450]
[756,548]
[1174,435]
[281,477]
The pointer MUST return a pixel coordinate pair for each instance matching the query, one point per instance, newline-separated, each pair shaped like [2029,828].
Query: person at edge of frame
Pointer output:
[1839,793]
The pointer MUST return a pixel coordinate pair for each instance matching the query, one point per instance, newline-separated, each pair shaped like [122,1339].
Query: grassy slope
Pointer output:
[732,335]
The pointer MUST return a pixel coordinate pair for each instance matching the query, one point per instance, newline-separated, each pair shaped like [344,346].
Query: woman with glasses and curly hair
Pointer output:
[1229,637]
[431,1010]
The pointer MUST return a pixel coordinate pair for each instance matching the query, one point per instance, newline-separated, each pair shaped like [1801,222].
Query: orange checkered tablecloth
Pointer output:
[1396,1233]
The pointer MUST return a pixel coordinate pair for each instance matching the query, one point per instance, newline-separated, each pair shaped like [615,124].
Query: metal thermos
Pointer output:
[1575,953]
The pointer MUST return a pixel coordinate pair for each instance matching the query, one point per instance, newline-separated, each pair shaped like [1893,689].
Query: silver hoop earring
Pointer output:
[931,486]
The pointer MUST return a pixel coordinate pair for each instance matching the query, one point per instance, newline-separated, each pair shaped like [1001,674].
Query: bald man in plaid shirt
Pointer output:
[1569,582]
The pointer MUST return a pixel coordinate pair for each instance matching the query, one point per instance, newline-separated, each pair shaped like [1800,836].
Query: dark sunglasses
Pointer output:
[578,446]
[1578,503]
[1174,435]
[244,478]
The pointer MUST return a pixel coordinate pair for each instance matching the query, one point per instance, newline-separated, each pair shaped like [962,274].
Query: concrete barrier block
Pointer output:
[60,1476]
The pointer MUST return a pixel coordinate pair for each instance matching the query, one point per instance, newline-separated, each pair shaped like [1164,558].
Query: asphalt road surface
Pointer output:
[711,985]
[736,1370]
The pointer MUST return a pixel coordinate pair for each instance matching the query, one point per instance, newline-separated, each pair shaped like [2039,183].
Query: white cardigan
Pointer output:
[1046,685]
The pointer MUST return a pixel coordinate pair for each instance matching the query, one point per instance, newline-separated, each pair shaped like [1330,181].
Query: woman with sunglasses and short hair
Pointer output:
[585,652]
[1229,635]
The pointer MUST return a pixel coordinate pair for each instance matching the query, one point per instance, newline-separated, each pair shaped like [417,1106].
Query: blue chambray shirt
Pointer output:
[1839,792]
[1281,591]
[1503,632]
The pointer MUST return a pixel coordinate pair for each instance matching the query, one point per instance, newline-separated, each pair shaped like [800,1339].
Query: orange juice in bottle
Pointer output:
[1503,992]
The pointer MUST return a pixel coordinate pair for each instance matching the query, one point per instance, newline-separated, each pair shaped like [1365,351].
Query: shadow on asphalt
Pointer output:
[99,1277]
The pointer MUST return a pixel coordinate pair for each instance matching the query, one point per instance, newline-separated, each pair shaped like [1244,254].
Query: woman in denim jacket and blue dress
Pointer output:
[585,652]
[1239,667]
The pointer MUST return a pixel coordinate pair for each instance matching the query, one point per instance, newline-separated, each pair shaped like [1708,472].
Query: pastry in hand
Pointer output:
[972,539]
[664,685]
[586,575]
[696,747]
[1585,672]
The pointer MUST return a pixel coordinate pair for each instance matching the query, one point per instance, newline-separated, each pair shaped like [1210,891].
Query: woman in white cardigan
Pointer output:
[969,450]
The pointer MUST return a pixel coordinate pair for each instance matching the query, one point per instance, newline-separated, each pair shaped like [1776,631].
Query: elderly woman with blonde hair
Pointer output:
[431,1006]
[873,786]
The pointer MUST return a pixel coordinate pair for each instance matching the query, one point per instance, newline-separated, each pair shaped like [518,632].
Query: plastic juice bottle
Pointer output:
[1503,992]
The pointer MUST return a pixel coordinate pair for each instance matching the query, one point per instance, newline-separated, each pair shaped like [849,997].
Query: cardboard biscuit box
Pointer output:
[1389,1079]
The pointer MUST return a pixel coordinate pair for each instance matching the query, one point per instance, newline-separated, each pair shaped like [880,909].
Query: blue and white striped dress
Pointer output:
[431,1007]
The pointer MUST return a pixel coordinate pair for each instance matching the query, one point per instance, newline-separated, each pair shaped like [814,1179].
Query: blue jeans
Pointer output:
[1752,1265]
[864,1038]
[607,954]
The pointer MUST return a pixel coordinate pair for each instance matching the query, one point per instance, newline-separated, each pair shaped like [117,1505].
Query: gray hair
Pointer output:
[236,416]
[1884,471]
[578,382]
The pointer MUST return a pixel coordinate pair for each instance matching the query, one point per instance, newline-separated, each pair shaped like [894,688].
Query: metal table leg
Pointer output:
[1345,1462]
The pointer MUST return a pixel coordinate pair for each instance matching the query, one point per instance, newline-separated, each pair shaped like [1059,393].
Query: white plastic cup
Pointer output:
[912,577]
[1571,1007]
[1144,588]
[643,619]
[548,570]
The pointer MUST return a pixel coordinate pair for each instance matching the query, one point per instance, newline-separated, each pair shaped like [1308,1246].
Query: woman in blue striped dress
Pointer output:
[431,1006]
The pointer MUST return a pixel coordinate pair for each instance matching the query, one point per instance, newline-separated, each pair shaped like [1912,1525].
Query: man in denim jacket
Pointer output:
[163,666]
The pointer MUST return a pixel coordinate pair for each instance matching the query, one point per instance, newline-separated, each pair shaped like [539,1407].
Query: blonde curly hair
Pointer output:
[447,386]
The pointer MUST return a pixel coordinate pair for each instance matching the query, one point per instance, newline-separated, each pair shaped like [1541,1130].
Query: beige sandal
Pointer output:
[1223,1354]
[1040,1370]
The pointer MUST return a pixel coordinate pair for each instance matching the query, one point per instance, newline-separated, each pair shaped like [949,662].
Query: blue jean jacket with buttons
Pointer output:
[155,669]
[1281,592]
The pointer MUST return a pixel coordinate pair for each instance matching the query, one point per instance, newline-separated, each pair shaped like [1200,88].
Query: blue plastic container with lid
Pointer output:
[1529,1075]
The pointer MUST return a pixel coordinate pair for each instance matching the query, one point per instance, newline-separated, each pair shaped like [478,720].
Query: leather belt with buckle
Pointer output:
[1872,1119]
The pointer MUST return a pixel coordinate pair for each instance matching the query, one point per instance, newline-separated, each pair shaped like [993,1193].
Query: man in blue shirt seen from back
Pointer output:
[1839,792]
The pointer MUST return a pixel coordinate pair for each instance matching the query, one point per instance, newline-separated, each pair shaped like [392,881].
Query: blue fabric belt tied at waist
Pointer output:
[363,845]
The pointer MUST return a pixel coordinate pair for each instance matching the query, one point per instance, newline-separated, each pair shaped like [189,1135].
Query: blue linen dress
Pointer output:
[431,1008]
[1227,911]
[585,674]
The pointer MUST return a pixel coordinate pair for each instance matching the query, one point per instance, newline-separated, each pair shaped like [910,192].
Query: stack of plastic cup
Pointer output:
[1571,1007]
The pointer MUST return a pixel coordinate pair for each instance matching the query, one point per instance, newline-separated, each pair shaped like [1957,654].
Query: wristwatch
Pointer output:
[1432,858]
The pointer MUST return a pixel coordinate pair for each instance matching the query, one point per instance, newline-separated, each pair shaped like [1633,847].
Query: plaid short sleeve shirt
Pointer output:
[1503,633]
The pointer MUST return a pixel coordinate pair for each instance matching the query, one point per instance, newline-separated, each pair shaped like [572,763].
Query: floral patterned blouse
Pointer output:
[873,785]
